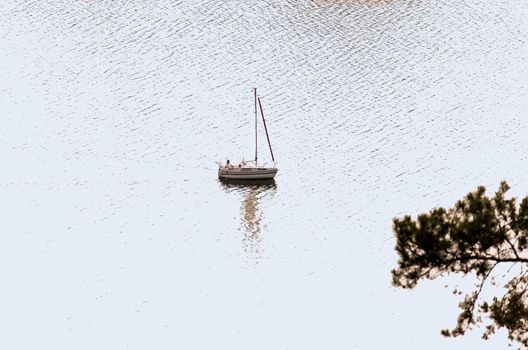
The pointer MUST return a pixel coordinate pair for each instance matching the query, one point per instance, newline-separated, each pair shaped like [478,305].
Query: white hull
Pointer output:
[247,173]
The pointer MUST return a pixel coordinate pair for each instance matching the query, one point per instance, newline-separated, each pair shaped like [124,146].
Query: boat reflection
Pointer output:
[252,193]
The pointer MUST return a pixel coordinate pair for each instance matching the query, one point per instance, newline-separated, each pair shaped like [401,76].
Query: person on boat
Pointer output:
[229,165]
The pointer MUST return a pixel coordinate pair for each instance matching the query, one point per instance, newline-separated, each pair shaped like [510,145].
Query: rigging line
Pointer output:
[266,129]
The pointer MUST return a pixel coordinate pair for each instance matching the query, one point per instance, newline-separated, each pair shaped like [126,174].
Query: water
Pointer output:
[116,233]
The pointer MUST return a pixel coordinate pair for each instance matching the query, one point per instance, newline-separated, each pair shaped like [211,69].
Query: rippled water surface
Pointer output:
[115,232]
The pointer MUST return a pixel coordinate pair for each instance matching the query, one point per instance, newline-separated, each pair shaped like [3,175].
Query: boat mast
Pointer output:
[255,95]
[265,128]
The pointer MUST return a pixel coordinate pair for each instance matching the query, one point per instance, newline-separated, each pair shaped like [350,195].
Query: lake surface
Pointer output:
[115,232]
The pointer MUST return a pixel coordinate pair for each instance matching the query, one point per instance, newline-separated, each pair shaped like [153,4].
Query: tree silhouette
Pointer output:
[472,238]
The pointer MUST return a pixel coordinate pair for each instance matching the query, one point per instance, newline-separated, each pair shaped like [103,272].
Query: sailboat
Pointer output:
[250,170]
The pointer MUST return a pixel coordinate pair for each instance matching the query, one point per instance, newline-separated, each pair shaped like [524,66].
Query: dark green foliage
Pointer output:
[473,237]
